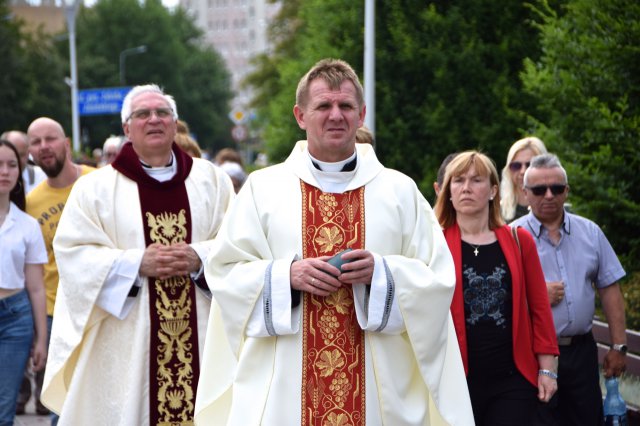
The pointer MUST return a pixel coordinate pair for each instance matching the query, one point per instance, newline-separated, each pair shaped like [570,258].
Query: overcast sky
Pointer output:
[168,3]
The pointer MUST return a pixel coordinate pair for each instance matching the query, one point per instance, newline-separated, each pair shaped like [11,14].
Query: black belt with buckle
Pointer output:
[573,340]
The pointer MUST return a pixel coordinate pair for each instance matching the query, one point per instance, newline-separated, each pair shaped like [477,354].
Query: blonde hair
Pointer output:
[228,154]
[508,192]
[185,141]
[461,163]
[364,135]
[334,72]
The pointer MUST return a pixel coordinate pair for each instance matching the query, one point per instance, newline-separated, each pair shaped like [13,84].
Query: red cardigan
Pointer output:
[533,329]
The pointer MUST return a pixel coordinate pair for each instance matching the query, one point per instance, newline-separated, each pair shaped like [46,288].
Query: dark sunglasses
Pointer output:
[540,190]
[516,166]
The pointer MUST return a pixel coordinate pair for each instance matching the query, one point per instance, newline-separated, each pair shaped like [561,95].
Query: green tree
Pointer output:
[303,33]
[31,79]
[587,88]
[447,75]
[176,59]
[448,80]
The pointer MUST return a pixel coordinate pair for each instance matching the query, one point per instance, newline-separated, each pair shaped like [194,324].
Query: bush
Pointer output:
[631,293]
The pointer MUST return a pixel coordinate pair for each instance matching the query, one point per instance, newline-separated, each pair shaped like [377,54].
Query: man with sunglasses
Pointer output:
[577,260]
[131,313]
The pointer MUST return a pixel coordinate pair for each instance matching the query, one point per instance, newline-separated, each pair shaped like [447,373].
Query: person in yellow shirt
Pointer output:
[51,151]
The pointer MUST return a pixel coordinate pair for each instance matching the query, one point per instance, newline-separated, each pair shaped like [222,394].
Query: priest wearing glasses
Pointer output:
[577,261]
[133,303]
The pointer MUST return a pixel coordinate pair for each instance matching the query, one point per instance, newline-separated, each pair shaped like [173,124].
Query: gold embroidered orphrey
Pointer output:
[174,344]
[333,371]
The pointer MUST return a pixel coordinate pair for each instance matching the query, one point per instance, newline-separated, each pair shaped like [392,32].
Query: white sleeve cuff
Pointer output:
[122,276]
[377,309]
[273,314]
[202,250]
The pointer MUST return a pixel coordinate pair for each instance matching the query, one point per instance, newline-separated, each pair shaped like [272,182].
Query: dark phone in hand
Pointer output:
[337,261]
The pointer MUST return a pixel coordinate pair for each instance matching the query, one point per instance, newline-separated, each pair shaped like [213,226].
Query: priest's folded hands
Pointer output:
[164,261]
[316,276]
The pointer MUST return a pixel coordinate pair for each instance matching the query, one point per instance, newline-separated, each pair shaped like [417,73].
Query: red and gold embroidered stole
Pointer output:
[174,365]
[333,370]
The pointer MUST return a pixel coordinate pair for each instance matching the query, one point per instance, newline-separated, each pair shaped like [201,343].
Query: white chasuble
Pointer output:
[252,370]
[98,370]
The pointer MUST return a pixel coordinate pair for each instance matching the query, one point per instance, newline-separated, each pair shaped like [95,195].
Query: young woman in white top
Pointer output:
[513,203]
[23,324]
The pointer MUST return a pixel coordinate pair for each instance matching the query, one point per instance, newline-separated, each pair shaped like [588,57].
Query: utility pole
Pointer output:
[70,12]
[370,66]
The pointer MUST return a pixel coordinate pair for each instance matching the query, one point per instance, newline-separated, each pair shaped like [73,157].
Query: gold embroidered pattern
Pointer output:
[333,343]
[174,353]
[328,238]
[167,228]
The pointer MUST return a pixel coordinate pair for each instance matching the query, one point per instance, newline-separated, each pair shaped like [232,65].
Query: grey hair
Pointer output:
[115,141]
[545,161]
[125,113]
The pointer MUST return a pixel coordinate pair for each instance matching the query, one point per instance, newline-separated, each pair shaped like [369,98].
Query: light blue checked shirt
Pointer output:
[583,259]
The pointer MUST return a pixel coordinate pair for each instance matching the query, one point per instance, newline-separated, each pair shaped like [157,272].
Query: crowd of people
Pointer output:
[163,288]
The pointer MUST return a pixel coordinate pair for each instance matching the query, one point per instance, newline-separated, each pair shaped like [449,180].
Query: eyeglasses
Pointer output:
[540,190]
[145,113]
[516,166]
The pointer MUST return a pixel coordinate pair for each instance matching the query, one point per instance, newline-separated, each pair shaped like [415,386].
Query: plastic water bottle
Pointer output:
[615,409]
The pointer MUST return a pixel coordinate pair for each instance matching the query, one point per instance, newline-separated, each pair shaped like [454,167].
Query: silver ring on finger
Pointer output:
[313,280]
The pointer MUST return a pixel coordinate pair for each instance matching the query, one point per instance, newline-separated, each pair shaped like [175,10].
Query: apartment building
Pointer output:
[238,30]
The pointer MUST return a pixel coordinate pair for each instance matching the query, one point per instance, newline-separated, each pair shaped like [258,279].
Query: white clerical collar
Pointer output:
[332,167]
[161,174]
[329,175]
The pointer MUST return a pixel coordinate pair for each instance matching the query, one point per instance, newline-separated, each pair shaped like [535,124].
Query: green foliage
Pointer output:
[447,75]
[176,59]
[35,65]
[587,89]
[303,33]
[631,292]
[31,79]
[448,81]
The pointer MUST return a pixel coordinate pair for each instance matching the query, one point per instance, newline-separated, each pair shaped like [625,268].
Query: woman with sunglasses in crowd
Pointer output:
[514,203]
[500,307]
[22,299]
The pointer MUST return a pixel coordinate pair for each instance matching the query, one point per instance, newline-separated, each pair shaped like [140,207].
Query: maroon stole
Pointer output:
[174,362]
[333,373]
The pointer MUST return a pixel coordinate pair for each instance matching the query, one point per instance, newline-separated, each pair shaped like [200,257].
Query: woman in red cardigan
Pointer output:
[500,307]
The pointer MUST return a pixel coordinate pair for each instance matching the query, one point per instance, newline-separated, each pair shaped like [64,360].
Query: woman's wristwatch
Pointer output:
[548,373]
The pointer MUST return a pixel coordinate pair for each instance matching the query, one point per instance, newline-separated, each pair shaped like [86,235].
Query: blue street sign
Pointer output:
[107,100]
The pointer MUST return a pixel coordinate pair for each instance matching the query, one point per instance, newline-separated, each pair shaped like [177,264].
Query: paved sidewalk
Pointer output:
[30,418]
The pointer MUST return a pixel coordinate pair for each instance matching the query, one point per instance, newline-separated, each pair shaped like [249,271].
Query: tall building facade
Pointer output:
[45,15]
[238,31]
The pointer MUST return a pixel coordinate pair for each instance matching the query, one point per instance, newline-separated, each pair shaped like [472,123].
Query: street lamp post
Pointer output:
[70,12]
[123,55]
[370,65]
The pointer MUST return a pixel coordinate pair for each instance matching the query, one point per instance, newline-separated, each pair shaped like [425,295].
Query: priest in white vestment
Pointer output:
[132,306]
[294,340]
